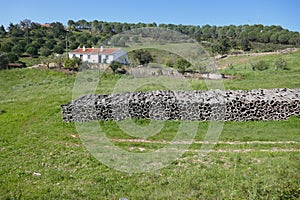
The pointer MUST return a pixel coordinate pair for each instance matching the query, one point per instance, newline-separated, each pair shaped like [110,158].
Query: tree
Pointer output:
[58,49]
[6,47]
[274,38]
[82,39]
[57,29]
[94,39]
[82,24]
[15,30]
[74,45]
[15,40]
[221,46]
[245,44]
[283,38]
[71,25]
[38,33]
[3,61]
[252,36]
[32,51]
[45,52]
[59,60]
[18,49]
[12,57]
[25,24]
[182,64]
[117,28]
[36,44]
[295,38]
[2,30]
[50,44]
[264,37]
[143,56]
[114,65]
[73,63]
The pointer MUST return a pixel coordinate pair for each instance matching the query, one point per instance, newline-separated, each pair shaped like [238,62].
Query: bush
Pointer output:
[114,65]
[3,60]
[58,49]
[280,64]
[45,52]
[260,65]
[6,47]
[18,49]
[182,64]
[72,64]
[31,50]
[12,57]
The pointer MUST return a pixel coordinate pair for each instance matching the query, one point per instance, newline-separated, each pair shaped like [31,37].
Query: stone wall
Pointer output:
[228,105]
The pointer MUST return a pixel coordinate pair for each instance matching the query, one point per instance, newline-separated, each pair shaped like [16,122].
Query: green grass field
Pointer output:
[44,158]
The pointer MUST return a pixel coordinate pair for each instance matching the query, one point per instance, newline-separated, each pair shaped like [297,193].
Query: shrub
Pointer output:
[114,65]
[280,64]
[58,49]
[31,50]
[3,60]
[12,57]
[182,64]
[45,52]
[72,64]
[260,65]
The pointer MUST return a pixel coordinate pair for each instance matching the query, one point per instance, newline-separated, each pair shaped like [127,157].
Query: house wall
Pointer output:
[102,58]
[107,58]
[92,59]
[118,54]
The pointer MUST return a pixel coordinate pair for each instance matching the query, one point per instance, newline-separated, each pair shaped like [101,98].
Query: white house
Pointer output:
[100,55]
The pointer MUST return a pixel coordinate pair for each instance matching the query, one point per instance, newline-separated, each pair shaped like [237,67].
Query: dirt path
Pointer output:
[202,142]
[141,149]
[220,150]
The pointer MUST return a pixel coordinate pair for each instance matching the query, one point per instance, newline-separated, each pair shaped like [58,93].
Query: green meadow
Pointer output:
[43,157]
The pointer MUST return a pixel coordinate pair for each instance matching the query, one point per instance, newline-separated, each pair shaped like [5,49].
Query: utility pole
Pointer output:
[67,44]
[27,38]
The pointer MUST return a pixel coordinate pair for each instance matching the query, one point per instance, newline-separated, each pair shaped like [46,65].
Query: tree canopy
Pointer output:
[27,37]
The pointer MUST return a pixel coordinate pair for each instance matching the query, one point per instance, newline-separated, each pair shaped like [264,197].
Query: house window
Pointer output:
[73,55]
[81,57]
[89,56]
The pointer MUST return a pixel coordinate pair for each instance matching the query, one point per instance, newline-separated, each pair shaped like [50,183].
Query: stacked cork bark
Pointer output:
[228,105]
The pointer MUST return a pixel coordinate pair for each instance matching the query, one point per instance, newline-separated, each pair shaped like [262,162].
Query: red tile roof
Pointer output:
[45,25]
[106,51]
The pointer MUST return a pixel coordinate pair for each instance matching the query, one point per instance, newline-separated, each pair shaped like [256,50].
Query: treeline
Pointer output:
[253,33]
[34,39]
[236,37]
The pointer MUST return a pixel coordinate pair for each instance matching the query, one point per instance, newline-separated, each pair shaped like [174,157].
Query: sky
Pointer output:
[285,13]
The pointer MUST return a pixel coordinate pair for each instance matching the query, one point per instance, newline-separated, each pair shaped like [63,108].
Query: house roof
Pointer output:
[45,25]
[105,51]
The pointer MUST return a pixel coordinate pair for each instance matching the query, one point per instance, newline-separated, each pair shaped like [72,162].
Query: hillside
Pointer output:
[43,157]
[29,38]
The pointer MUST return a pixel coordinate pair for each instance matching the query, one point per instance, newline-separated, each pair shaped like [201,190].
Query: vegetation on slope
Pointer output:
[29,38]
[42,157]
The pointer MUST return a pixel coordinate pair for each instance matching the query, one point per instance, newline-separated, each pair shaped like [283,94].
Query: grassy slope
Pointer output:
[34,139]
[263,79]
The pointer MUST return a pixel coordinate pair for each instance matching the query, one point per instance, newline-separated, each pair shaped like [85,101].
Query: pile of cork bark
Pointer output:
[226,105]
